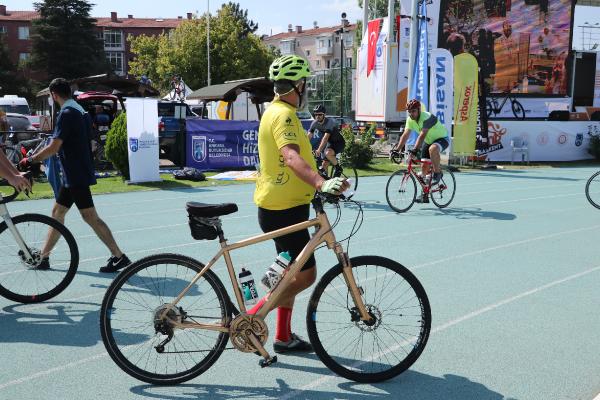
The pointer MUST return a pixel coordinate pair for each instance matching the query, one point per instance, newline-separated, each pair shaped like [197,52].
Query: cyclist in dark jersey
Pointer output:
[332,141]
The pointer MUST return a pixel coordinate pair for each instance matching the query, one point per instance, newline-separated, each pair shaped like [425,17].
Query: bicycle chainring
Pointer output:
[240,329]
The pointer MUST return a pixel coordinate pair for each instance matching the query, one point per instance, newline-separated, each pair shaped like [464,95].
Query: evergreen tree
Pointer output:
[64,40]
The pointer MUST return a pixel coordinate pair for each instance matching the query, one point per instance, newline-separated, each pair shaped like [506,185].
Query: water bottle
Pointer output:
[274,273]
[427,179]
[249,291]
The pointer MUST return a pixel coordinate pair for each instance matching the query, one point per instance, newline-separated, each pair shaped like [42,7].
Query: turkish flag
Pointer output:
[373,31]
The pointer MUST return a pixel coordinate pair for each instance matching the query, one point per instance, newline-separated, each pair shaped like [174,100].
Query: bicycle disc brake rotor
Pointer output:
[36,258]
[375,313]
[240,329]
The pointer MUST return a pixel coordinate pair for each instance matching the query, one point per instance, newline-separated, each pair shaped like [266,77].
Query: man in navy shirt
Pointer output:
[71,140]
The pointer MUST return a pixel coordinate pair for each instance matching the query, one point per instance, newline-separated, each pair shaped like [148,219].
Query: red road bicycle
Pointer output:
[401,188]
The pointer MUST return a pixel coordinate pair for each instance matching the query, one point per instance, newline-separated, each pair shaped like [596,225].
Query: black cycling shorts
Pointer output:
[81,196]
[442,143]
[338,147]
[270,220]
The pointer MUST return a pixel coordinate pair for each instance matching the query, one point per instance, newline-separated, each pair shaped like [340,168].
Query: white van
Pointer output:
[11,103]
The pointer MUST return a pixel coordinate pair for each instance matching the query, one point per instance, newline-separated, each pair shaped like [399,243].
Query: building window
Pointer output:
[337,39]
[318,63]
[321,43]
[23,57]
[348,62]
[115,58]
[328,64]
[348,40]
[113,39]
[287,46]
[307,53]
[3,29]
[23,33]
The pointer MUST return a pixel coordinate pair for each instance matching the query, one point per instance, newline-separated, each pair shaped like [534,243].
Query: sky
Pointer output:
[272,16]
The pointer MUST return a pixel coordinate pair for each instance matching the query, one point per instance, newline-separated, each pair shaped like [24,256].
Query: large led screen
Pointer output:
[522,45]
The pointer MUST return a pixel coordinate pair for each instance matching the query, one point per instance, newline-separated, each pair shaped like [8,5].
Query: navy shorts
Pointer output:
[270,220]
[81,196]
[442,143]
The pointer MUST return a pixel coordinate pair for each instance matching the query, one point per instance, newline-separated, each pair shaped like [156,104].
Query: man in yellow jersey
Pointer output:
[286,185]
[433,138]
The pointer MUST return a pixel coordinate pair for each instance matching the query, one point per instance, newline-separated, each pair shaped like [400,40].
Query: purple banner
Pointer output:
[212,144]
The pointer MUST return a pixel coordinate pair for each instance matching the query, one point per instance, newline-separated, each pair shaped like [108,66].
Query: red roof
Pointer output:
[310,32]
[103,22]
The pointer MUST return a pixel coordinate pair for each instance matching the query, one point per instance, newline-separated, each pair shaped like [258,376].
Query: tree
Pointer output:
[64,40]
[12,80]
[379,8]
[236,53]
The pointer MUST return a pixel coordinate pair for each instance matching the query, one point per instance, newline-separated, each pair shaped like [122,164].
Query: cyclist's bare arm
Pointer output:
[48,151]
[323,142]
[292,158]
[400,145]
[12,175]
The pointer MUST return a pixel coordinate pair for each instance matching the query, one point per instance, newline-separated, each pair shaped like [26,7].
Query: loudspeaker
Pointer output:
[595,116]
[558,115]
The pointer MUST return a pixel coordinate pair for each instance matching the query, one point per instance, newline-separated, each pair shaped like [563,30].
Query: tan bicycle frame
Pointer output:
[323,235]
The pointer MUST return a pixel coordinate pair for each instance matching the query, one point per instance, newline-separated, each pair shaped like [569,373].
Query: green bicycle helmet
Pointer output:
[292,68]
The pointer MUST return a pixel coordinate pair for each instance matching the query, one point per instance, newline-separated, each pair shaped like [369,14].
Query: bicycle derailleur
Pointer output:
[166,317]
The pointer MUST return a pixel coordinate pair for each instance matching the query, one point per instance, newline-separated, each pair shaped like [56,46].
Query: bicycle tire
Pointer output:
[64,260]
[517,109]
[400,187]
[489,108]
[437,195]
[347,173]
[326,344]
[111,306]
[590,196]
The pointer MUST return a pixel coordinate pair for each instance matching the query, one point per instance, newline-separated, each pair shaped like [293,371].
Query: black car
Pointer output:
[169,126]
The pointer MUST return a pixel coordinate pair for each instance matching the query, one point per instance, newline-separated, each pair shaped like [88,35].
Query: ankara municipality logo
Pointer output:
[199,148]
[133,144]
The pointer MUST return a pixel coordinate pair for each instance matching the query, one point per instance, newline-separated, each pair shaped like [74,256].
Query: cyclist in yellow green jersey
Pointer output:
[286,185]
[432,140]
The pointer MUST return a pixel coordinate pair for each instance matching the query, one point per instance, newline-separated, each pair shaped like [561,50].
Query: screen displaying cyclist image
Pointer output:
[521,45]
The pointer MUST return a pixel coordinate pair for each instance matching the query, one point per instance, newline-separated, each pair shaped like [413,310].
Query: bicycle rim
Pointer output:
[401,191]
[443,193]
[518,110]
[592,190]
[135,298]
[363,353]
[22,281]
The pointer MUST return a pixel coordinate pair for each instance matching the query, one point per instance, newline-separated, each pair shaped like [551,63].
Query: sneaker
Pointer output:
[114,264]
[44,264]
[422,199]
[437,177]
[337,171]
[295,344]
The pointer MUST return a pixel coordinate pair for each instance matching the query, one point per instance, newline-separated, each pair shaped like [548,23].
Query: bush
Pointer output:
[358,152]
[594,148]
[116,145]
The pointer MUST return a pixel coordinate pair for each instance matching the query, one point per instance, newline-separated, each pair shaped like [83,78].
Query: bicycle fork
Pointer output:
[356,291]
[24,253]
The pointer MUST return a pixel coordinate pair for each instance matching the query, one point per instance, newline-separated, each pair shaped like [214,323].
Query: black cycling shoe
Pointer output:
[423,199]
[114,264]
[436,178]
[337,171]
[44,264]
[295,344]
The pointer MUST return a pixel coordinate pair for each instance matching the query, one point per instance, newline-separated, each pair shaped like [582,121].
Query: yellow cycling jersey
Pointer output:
[277,186]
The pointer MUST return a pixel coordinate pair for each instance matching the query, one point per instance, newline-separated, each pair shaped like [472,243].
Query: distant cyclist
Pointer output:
[332,142]
[432,140]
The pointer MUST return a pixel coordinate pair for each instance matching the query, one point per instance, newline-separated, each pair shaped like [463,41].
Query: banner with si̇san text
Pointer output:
[465,104]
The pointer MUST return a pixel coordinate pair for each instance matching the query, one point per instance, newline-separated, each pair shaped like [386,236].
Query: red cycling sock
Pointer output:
[258,305]
[283,332]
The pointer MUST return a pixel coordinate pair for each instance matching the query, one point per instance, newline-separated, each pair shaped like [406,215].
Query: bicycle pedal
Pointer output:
[265,363]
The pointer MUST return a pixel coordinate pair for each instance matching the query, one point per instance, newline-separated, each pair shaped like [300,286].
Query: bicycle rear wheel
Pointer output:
[592,190]
[443,193]
[131,328]
[347,173]
[351,348]
[24,281]
[518,110]
[401,191]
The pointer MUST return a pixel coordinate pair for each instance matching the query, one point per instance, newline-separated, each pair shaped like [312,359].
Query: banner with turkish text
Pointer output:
[142,139]
[465,103]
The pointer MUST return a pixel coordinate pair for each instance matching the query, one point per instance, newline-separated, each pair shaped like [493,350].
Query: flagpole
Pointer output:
[414,37]
[208,40]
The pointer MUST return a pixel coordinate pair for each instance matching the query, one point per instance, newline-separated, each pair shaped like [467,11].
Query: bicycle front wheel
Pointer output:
[592,190]
[401,191]
[151,348]
[443,193]
[387,347]
[518,110]
[27,281]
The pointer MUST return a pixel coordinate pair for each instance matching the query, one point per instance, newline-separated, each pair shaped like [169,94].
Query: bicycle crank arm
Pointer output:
[266,362]
[267,359]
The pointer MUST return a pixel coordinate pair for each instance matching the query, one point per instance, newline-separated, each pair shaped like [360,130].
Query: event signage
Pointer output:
[597,82]
[142,140]
[212,144]
[420,89]
[465,103]
[545,140]
[441,88]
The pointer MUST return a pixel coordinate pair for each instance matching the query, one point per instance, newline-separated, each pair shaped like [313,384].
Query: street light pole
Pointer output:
[208,40]
[341,33]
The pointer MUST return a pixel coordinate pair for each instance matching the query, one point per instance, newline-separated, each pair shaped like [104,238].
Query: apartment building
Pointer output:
[16,27]
[320,46]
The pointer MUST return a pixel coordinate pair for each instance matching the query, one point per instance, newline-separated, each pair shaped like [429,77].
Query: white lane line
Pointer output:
[597,397]
[449,324]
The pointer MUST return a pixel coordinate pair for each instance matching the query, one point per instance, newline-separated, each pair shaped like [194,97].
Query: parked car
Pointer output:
[21,125]
[35,121]
[168,127]
[11,103]
[344,122]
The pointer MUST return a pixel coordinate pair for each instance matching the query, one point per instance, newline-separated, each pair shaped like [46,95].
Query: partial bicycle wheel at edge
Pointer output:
[24,282]
[130,313]
[351,348]
[401,191]
[443,193]
[592,190]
